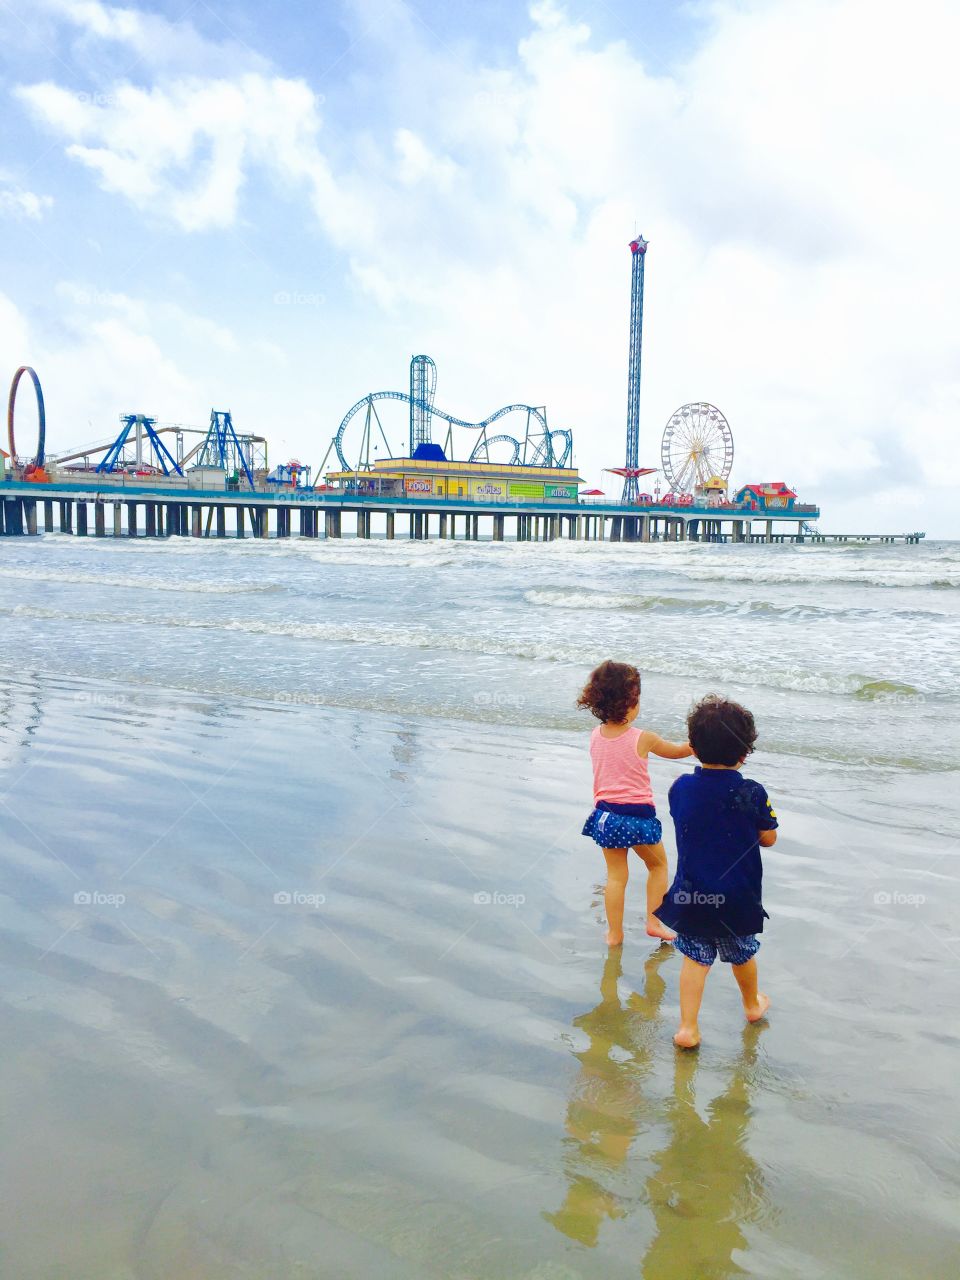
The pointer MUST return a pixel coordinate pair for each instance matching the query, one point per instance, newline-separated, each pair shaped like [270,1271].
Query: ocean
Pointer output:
[303,963]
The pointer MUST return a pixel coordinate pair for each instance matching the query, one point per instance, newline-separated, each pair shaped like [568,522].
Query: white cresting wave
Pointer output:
[706,668]
[584,598]
[932,565]
[140,583]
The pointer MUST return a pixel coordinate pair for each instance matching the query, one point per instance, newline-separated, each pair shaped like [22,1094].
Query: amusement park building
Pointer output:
[441,478]
[772,496]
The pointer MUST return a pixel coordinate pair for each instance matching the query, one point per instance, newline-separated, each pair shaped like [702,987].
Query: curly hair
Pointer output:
[611,692]
[720,731]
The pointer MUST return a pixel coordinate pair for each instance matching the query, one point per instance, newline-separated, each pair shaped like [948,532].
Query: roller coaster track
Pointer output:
[542,449]
[39,457]
[487,441]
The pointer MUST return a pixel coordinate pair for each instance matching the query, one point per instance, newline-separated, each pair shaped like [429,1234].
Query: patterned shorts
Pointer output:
[731,949]
[620,831]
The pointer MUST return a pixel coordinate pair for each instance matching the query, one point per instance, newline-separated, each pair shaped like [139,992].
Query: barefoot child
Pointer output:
[714,903]
[624,816]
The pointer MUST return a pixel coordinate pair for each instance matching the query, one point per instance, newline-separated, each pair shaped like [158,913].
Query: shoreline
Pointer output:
[403,1079]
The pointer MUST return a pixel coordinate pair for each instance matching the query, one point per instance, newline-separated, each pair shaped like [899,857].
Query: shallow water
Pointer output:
[425,1063]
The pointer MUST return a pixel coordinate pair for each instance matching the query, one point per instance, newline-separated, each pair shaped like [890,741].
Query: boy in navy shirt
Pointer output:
[714,903]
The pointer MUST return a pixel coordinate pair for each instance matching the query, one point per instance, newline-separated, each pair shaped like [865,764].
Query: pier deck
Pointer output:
[161,510]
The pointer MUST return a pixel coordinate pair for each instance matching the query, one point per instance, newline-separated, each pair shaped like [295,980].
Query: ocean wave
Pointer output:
[908,580]
[886,690]
[506,713]
[269,552]
[69,578]
[934,566]
[705,668]
[590,600]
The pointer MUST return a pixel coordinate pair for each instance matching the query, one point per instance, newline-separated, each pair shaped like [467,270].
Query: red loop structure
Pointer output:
[41,414]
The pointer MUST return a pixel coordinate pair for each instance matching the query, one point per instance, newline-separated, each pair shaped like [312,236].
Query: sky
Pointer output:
[270,209]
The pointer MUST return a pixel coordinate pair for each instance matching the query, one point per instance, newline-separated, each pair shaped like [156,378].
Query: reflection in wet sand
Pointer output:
[707,1185]
[604,1113]
[704,1185]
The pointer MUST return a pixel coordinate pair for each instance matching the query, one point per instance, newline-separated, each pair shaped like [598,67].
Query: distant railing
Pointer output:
[181,490]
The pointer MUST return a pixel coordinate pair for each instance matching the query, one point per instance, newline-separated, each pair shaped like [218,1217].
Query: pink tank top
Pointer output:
[619,774]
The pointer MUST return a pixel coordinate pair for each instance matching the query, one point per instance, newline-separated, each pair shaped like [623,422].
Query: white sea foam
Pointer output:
[139,582]
[707,666]
[612,601]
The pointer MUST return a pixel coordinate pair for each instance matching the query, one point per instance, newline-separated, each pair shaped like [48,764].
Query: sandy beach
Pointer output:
[295,991]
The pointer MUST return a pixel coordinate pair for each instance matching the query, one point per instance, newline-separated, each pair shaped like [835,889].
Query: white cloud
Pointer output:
[139,315]
[114,353]
[15,202]
[155,41]
[184,149]
[417,163]
[803,267]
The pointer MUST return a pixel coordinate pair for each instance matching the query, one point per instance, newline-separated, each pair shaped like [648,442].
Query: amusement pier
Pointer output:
[156,479]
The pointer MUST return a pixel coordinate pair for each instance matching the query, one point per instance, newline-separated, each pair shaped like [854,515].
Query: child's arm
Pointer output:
[767,833]
[651,743]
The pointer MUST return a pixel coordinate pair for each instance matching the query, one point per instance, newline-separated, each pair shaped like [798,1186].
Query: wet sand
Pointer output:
[425,1063]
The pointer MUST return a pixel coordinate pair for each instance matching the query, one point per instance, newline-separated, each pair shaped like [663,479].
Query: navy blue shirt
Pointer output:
[718,887]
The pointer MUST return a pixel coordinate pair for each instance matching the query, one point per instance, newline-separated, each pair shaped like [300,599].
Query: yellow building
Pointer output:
[712,491]
[466,481]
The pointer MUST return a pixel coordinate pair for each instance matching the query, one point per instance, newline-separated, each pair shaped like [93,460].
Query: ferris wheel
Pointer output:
[697,445]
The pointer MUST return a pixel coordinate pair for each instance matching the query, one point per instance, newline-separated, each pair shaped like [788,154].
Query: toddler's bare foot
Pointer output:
[759,1010]
[614,939]
[687,1038]
[657,930]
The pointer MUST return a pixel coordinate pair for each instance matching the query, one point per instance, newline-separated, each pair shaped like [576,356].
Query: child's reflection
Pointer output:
[603,1113]
[704,1185]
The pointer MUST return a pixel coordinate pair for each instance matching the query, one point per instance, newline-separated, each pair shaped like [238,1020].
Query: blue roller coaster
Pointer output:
[539,447]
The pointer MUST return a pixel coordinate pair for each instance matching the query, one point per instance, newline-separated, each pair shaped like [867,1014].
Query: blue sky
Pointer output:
[271,210]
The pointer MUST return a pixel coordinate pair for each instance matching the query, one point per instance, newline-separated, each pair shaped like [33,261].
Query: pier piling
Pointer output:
[12,516]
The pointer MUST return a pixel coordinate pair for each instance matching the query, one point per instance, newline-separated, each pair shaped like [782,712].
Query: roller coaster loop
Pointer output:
[545,452]
[41,415]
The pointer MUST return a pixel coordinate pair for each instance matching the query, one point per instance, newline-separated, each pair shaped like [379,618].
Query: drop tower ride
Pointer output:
[631,490]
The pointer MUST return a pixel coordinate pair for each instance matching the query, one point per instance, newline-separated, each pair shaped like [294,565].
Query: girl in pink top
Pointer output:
[624,816]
